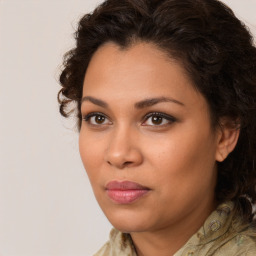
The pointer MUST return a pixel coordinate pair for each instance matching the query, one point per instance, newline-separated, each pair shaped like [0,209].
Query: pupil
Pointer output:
[100,119]
[157,120]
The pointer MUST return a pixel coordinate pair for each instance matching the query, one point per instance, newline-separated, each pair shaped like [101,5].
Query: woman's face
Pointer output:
[146,140]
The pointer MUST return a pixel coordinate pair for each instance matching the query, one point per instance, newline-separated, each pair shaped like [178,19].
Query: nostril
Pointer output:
[121,165]
[127,163]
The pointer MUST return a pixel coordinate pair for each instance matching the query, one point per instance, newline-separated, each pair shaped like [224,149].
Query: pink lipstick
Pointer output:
[125,192]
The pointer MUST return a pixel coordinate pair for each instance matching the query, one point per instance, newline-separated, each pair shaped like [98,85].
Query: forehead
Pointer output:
[140,71]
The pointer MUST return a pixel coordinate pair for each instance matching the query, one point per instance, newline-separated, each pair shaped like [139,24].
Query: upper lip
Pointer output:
[125,185]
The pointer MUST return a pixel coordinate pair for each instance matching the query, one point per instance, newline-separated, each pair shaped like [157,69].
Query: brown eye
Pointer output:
[97,119]
[157,120]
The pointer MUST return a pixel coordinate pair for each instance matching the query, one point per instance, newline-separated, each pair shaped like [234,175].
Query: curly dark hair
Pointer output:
[217,52]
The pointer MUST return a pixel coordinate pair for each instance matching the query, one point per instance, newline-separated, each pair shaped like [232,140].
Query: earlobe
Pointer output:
[227,139]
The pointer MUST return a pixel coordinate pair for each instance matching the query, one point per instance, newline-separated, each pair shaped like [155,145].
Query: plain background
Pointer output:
[47,207]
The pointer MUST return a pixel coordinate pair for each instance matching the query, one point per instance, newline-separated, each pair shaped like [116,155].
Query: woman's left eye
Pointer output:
[158,119]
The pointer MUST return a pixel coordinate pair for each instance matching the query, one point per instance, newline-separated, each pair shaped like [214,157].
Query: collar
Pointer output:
[215,226]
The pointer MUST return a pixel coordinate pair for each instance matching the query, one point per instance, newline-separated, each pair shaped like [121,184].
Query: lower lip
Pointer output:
[126,196]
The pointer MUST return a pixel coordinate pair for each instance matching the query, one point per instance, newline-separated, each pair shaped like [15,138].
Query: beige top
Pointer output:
[221,234]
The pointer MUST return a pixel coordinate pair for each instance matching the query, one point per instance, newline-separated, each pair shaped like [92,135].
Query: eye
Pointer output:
[97,119]
[158,119]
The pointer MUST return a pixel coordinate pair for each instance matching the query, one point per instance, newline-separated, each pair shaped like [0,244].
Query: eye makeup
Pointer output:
[150,119]
[159,118]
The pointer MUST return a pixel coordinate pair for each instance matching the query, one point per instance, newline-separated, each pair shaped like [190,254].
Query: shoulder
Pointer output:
[240,239]
[224,233]
[104,251]
[234,237]
[240,244]
[228,244]
[119,244]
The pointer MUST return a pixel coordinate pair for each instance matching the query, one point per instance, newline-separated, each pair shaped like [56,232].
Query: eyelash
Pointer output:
[93,114]
[169,118]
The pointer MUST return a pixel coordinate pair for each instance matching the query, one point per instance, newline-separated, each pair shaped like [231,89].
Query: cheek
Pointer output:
[183,155]
[90,152]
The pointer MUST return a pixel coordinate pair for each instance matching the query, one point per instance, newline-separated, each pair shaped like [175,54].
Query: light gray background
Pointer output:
[46,204]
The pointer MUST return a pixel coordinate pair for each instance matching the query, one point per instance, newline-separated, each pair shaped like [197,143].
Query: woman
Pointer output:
[166,106]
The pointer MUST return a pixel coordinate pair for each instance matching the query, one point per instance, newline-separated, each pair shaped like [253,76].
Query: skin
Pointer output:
[175,159]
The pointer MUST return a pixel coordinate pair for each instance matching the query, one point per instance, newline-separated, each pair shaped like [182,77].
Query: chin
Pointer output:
[128,222]
[129,227]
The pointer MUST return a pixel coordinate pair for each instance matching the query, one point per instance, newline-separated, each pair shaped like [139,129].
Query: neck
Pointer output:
[167,241]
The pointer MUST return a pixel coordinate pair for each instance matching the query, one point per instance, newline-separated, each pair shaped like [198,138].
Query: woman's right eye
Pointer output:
[97,119]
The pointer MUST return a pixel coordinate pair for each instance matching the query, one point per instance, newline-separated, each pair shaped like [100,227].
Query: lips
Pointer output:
[125,192]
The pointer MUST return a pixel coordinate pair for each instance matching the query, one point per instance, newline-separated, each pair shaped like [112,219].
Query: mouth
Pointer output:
[125,192]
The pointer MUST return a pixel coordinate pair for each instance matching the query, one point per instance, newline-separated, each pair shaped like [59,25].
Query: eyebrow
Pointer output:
[95,101]
[152,101]
[141,104]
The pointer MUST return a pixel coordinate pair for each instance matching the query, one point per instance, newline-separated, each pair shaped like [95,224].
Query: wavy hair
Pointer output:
[216,50]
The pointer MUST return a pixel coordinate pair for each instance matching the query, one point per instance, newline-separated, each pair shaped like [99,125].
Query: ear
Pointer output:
[228,134]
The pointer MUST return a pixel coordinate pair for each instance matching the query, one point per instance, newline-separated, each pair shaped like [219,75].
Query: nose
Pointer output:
[124,149]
